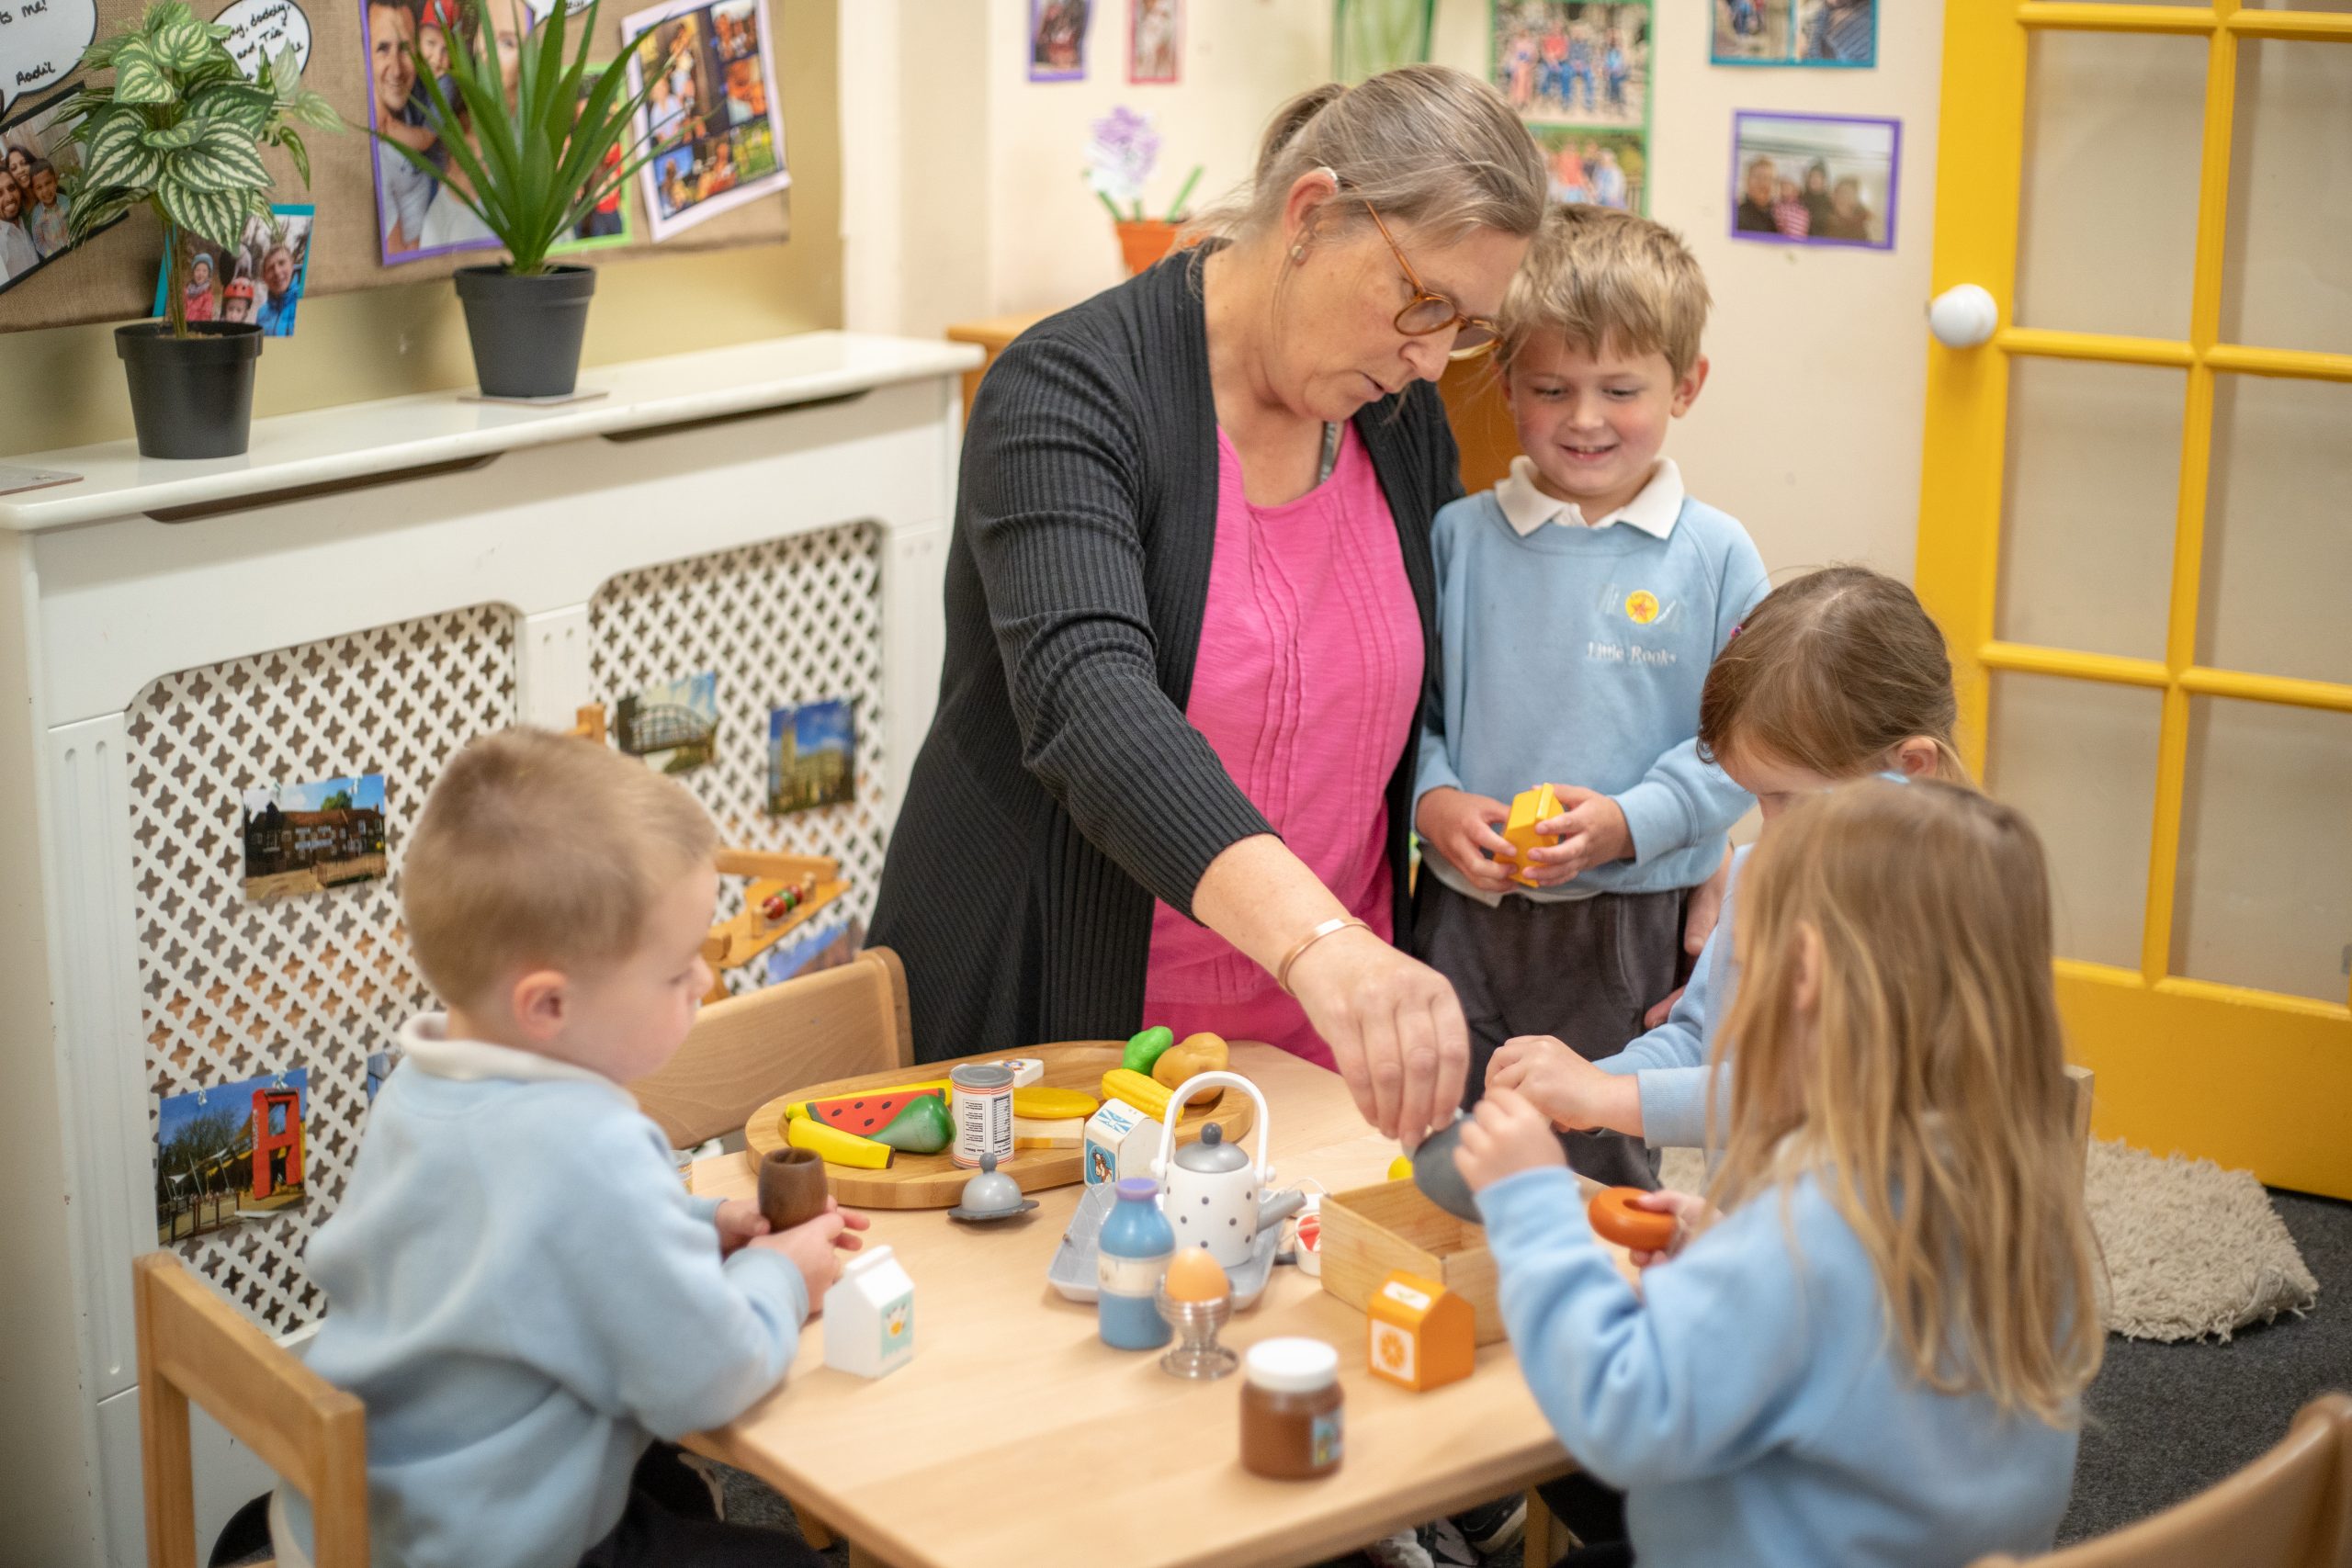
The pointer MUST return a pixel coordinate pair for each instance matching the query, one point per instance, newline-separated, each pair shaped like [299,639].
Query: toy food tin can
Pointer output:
[981,1108]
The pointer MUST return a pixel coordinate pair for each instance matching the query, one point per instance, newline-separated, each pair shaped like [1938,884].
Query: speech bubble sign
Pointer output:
[260,32]
[40,42]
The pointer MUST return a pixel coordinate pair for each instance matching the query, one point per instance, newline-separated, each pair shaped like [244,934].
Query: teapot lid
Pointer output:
[1212,1154]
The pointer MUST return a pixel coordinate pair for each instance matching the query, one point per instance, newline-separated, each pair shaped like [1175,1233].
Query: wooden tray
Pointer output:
[936,1181]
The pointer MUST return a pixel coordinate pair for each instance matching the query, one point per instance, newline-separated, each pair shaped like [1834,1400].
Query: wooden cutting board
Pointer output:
[936,1181]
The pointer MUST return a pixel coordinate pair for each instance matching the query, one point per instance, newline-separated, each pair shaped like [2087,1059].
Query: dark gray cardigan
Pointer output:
[1061,789]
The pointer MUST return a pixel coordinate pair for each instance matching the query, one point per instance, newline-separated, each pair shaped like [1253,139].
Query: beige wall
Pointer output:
[64,387]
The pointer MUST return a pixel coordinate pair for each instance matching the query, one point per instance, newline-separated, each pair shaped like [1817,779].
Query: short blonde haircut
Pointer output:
[1604,279]
[536,848]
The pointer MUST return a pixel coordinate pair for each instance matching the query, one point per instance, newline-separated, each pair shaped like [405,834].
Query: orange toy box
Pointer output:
[1419,1334]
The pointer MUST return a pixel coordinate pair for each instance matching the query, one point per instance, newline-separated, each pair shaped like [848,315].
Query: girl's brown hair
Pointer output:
[1830,672]
[1925,1087]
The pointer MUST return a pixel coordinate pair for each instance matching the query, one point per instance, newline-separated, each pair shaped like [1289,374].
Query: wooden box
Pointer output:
[1370,1233]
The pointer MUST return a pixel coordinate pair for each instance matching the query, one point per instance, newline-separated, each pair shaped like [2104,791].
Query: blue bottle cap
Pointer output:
[1138,1189]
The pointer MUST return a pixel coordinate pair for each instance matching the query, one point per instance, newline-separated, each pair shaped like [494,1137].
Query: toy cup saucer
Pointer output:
[990,1196]
[970,1217]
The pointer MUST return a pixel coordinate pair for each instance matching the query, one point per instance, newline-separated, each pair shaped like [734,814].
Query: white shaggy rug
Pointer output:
[2191,1251]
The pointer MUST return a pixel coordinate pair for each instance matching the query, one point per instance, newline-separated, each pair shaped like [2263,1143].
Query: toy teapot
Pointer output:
[1213,1196]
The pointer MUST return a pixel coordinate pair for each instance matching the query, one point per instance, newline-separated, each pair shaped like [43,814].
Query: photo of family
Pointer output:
[606,222]
[1057,39]
[230,1152]
[39,160]
[1155,40]
[306,838]
[1574,60]
[1795,33]
[259,280]
[712,117]
[417,214]
[1605,168]
[1814,179]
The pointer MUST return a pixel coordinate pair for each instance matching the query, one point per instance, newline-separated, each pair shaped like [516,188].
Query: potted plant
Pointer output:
[531,165]
[180,130]
[1119,159]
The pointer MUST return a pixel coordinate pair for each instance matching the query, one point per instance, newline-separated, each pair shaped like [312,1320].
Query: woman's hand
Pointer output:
[1394,1026]
[1574,1093]
[1460,826]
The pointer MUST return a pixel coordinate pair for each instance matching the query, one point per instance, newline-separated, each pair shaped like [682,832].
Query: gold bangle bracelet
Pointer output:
[1336,923]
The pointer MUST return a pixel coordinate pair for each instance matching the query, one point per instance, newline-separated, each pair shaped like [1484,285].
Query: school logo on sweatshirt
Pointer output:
[1641,607]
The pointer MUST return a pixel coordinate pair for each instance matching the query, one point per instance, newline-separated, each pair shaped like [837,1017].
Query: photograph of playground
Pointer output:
[230,1152]
[304,838]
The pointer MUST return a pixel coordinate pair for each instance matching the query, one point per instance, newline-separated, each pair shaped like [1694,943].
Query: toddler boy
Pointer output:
[520,1288]
[1579,604]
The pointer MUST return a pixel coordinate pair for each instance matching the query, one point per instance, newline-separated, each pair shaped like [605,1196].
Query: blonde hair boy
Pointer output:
[519,1286]
[1600,279]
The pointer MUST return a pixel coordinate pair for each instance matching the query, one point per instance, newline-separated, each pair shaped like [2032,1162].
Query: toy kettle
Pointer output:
[1214,1196]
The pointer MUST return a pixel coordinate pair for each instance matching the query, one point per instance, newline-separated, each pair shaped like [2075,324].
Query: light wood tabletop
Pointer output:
[1015,1436]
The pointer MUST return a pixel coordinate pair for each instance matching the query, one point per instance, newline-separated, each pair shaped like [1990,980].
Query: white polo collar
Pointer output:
[426,1046]
[1654,510]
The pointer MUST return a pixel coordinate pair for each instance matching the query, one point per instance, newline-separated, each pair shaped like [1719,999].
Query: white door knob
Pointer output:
[1963,317]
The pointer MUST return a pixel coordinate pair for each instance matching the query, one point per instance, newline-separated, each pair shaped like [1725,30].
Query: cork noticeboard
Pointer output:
[112,276]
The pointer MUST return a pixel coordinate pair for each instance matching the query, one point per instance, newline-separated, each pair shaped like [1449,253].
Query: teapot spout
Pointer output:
[1276,1207]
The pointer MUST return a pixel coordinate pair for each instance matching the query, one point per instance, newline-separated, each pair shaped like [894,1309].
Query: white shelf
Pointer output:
[358,440]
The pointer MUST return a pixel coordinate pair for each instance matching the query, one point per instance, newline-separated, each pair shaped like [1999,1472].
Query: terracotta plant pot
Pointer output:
[1143,241]
[792,1188]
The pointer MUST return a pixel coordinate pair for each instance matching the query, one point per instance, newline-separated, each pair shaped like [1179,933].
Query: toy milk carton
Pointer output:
[1528,807]
[1121,1141]
[1421,1334]
[870,1315]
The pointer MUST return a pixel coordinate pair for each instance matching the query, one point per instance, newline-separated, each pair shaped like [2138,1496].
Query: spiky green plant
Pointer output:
[534,169]
[180,130]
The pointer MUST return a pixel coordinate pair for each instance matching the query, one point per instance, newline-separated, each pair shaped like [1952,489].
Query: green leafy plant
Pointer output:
[533,169]
[180,130]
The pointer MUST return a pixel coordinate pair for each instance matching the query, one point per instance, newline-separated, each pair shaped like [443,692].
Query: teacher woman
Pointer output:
[1189,613]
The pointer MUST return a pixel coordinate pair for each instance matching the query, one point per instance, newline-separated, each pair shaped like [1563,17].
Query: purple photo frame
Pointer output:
[1753,223]
[378,156]
[1040,69]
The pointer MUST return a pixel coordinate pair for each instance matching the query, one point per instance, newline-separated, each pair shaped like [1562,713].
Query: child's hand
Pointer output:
[1565,1086]
[1691,1215]
[1661,1010]
[1591,829]
[1502,1137]
[1460,827]
[739,1221]
[1705,908]
[811,1245]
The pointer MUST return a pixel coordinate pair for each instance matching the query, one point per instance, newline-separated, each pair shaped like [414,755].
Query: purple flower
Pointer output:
[1120,157]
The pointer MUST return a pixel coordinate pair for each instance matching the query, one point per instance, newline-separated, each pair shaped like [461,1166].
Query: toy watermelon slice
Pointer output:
[867,1114]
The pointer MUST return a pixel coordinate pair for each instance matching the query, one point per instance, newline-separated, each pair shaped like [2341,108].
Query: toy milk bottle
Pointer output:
[870,1315]
[1131,1255]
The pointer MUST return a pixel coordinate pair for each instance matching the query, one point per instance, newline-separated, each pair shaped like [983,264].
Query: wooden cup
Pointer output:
[792,1188]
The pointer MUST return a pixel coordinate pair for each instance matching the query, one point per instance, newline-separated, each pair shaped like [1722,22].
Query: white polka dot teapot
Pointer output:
[1211,1195]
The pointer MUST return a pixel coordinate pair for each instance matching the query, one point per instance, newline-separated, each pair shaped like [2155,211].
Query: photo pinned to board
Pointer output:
[713,118]
[823,945]
[416,215]
[1155,41]
[1057,31]
[608,222]
[1814,179]
[1583,63]
[37,161]
[306,838]
[1794,33]
[231,1152]
[673,726]
[1605,168]
[259,279]
[812,755]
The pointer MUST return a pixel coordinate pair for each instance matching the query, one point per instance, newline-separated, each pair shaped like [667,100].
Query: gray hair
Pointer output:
[1426,145]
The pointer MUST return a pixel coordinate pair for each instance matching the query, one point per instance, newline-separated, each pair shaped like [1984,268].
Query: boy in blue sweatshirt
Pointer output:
[520,1289]
[1579,604]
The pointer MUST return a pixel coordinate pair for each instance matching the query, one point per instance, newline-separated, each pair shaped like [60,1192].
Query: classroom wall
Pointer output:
[64,387]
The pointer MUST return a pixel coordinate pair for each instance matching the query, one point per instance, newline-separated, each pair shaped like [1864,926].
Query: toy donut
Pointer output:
[1615,1218]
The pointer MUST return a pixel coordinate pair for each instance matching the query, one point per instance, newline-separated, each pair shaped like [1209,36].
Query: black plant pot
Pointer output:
[526,331]
[191,397]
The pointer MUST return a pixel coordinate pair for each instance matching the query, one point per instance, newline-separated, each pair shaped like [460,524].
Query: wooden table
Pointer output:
[1015,1436]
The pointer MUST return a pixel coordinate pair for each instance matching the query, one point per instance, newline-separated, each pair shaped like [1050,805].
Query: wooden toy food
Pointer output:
[869,1110]
[1196,1053]
[1528,807]
[1044,1104]
[1146,1095]
[834,1147]
[1615,1218]
[1194,1276]
[1419,1334]
[921,1128]
[1144,1050]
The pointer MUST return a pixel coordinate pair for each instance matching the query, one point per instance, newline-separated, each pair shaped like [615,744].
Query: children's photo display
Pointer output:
[37,162]
[1578,73]
[712,119]
[259,279]
[1814,179]
[231,1152]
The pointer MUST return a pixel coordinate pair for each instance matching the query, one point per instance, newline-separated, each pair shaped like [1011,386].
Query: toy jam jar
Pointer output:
[1130,1256]
[982,1111]
[1291,1402]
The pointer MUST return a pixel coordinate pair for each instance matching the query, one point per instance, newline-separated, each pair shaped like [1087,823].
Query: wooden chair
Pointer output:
[2291,1508]
[2080,1081]
[194,1346]
[746,1050]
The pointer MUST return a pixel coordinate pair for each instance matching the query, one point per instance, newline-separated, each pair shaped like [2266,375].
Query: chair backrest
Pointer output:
[194,1346]
[746,1050]
[2291,1508]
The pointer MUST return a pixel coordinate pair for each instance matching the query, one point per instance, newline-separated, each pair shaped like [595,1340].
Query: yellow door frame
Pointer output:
[2250,1077]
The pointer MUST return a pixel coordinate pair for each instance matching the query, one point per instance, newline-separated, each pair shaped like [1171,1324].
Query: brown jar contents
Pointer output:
[1290,1402]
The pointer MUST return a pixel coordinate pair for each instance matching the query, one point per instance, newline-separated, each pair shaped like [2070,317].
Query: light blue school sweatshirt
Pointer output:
[1750,1400]
[1574,655]
[523,1293]
[1669,1063]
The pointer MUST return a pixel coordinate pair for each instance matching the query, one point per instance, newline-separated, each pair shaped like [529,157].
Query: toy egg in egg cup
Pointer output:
[1196,1301]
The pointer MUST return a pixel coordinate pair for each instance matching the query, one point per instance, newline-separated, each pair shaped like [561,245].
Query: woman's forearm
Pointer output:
[1261,898]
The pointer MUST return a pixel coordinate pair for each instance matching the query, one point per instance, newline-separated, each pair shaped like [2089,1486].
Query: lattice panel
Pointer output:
[234,989]
[790,621]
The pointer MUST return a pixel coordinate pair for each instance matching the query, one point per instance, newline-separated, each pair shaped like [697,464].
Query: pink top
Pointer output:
[1308,670]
